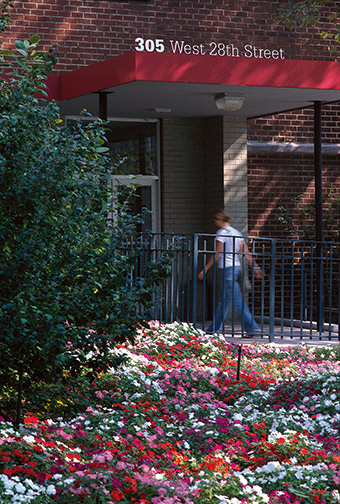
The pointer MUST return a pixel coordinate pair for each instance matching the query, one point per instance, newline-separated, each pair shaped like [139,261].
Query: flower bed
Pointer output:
[174,425]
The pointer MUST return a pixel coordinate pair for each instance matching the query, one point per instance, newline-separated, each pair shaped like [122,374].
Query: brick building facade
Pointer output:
[162,62]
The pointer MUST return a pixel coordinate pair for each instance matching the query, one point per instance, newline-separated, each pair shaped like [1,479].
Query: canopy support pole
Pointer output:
[318,213]
[102,105]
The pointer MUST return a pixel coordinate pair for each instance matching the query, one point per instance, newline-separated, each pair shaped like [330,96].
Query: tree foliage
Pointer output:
[68,288]
[311,13]
[298,220]
[5,17]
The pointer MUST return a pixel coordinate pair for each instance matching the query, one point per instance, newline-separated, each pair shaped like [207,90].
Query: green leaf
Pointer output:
[19,44]
[100,150]
[23,52]
[297,492]
[19,61]
[34,39]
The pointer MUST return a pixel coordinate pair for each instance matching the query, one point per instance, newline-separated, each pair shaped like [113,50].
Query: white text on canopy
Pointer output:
[211,48]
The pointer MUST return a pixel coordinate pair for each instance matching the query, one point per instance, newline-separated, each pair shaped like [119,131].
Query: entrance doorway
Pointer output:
[135,143]
[146,198]
[135,149]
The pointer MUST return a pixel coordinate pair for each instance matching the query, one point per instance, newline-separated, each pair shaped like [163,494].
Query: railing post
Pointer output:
[272,290]
[320,288]
[339,306]
[194,280]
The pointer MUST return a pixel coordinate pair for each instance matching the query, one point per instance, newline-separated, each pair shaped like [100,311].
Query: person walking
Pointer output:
[229,247]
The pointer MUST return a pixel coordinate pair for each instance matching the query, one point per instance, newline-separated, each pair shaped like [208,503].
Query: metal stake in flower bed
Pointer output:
[238,362]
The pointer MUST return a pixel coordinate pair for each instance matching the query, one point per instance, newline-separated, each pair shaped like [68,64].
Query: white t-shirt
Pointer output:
[231,240]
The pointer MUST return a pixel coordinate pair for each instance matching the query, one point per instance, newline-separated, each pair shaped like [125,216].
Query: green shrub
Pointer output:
[67,289]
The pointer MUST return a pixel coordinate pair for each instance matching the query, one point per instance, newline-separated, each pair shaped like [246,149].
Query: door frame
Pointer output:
[151,181]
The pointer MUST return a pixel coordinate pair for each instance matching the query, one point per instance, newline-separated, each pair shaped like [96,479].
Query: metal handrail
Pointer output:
[285,299]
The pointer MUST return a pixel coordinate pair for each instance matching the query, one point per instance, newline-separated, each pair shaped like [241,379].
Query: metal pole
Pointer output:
[318,171]
[272,290]
[238,362]
[102,105]
[318,213]
[194,280]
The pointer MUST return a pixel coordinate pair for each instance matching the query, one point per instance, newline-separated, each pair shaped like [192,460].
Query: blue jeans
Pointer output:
[230,291]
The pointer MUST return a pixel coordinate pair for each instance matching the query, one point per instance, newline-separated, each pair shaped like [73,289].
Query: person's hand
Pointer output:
[257,272]
[201,275]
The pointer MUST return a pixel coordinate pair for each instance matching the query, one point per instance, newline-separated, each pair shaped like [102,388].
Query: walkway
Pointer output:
[285,335]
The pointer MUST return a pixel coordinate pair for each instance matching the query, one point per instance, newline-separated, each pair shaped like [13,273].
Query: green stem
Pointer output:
[19,397]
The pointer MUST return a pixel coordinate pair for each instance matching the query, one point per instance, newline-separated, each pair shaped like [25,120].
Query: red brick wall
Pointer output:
[296,126]
[87,31]
[274,180]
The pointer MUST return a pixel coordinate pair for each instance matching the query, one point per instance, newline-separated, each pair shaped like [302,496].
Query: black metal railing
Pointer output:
[298,294]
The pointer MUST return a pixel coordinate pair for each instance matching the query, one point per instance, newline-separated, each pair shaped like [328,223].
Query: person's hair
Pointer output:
[222,214]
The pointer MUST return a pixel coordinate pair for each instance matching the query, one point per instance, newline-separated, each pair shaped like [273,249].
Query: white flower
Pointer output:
[159,476]
[336,495]
[270,467]
[30,483]
[222,498]
[51,490]
[19,487]
[238,416]
[243,480]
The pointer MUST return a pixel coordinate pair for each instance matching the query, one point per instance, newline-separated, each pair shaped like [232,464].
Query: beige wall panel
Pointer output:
[235,171]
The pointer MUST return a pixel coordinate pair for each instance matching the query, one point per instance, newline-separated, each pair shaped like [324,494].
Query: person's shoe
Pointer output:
[252,335]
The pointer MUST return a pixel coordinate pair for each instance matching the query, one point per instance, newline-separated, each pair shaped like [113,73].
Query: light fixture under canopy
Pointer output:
[225,101]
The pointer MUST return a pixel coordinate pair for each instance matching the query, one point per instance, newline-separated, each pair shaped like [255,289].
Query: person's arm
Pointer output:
[219,249]
[249,259]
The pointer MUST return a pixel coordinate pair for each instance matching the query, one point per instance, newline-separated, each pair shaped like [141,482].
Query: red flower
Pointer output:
[30,419]
[29,472]
[42,477]
[117,495]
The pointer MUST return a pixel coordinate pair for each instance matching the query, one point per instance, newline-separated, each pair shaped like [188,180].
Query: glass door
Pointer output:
[135,144]
[134,147]
[147,197]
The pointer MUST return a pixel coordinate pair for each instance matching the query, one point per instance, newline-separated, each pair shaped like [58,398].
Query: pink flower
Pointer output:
[336,479]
